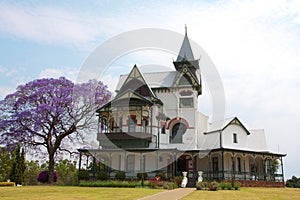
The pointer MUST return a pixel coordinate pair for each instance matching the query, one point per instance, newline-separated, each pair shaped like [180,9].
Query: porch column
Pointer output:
[157,160]
[125,162]
[94,167]
[193,166]
[233,166]
[223,175]
[281,161]
[110,162]
[245,176]
[255,168]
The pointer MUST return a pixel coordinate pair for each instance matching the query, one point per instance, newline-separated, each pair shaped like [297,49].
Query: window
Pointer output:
[177,132]
[144,125]
[143,163]
[130,163]
[239,165]
[120,123]
[186,103]
[215,164]
[163,129]
[131,124]
[235,138]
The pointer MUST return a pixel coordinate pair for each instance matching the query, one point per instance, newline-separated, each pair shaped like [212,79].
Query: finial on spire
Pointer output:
[185,29]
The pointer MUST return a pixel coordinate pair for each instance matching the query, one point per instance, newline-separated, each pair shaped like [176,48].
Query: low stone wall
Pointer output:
[248,183]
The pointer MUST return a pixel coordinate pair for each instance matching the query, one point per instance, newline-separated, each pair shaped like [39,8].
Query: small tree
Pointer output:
[18,167]
[32,171]
[294,182]
[5,163]
[67,172]
[52,114]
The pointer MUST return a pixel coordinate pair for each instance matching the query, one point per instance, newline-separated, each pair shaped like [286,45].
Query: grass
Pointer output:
[90,193]
[247,194]
[70,193]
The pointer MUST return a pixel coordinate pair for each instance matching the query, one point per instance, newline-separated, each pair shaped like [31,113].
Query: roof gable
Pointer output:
[136,82]
[222,125]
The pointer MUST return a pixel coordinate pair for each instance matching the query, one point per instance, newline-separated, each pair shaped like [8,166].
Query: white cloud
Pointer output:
[45,24]
[5,90]
[69,73]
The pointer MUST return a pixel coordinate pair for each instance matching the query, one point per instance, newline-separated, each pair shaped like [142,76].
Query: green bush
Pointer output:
[120,176]
[162,176]
[127,184]
[84,175]
[178,180]
[225,185]
[140,175]
[202,185]
[153,184]
[237,185]
[169,185]
[213,186]
[102,176]
[294,182]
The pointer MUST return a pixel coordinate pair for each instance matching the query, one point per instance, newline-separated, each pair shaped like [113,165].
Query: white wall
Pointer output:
[227,137]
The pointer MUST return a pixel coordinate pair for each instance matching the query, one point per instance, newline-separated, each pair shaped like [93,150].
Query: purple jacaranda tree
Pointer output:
[52,114]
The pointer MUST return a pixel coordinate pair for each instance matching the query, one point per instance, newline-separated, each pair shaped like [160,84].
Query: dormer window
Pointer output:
[235,138]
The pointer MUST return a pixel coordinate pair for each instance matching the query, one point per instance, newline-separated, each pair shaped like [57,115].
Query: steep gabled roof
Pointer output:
[221,125]
[185,52]
[136,75]
[186,71]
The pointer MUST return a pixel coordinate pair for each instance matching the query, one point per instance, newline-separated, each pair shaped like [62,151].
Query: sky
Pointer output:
[254,45]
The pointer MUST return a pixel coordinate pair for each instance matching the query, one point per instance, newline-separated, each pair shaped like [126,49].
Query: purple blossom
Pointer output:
[44,176]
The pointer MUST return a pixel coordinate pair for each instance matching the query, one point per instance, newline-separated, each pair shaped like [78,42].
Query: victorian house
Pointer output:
[153,126]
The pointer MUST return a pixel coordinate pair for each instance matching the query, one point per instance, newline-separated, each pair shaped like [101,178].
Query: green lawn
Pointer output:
[87,193]
[247,194]
[68,193]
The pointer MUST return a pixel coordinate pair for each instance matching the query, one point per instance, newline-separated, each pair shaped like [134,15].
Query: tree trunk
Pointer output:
[51,169]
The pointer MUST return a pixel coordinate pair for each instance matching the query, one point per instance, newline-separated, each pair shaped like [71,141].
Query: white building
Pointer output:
[153,125]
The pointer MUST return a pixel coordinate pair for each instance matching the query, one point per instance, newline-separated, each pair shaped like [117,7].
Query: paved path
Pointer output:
[170,194]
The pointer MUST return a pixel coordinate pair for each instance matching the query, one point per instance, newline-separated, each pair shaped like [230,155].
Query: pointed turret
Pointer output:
[187,66]
[185,52]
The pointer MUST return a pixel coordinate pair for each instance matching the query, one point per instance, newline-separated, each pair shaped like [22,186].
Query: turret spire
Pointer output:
[185,50]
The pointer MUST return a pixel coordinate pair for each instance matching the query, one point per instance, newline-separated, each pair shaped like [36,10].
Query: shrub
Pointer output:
[162,176]
[140,175]
[127,184]
[237,185]
[102,176]
[7,184]
[225,185]
[178,180]
[202,185]
[153,184]
[213,186]
[84,175]
[294,182]
[169,185]
[120,176]
[44,176]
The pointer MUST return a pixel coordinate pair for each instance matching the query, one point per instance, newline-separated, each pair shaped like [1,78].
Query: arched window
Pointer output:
[177,132]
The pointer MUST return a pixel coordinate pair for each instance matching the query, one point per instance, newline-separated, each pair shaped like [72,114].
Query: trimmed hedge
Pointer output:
[127,184]
[3,184]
